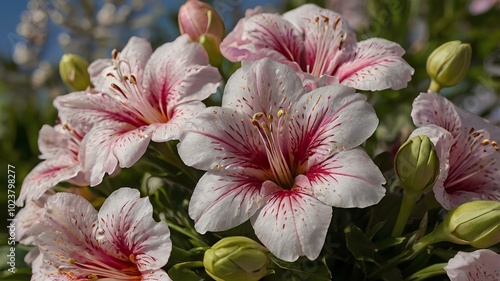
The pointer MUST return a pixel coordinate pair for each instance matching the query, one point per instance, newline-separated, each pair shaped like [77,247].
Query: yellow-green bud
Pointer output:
[448,64]
[476,223]
[73,71]
[417,164]
[236,258]
[212,47]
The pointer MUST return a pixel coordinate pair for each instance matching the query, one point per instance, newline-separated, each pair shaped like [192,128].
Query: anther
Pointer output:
[485,142]
[281,112]
[132,79]
[114,86]
[114,54]
[337,20]
[495,145]
[257,115]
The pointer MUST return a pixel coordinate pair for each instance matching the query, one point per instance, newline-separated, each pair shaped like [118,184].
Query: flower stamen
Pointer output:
[280,167]
[480,149]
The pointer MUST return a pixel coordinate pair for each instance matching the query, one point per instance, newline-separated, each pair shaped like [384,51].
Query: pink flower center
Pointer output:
[476,157]
[94,269]
[74,139]
[129,93]
[282,171]
[326,46]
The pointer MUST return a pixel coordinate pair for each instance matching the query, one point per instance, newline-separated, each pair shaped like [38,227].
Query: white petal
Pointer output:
[264,36]
[179,72]
[67,225]
[107,147]
[222,138]
[480,265]
[293,224]
[47,175]
[347,179]
[126,226]
[262,86]
[330,119]
[376,64]
[220,202]
[431,108]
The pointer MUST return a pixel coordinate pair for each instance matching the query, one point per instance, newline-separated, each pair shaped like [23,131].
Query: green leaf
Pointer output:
[302,269]
[21,274]
[359,244]
[180,273]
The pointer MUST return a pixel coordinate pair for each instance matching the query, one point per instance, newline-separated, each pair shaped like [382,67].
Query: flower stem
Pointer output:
[184,231]
[189,264]
[428,272]
[169,151]
[435,87]
[407,204]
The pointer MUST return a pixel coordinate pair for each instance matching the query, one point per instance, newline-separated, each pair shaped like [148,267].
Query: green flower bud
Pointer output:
[417,164]
[73,71]
[476,223]
[236,258]
[448,64]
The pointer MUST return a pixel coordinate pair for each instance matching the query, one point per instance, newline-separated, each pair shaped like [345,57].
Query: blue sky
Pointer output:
[10,14]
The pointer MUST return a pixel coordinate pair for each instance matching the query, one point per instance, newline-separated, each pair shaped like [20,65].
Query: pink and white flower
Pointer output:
[60,147]
[477,7]
[281,158]
[480,265]
[120,242]
[139,96]
[319,45]
[467,147]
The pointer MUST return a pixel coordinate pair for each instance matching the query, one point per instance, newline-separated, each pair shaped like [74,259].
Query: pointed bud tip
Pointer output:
[73,71]
[417,164]
[236,258]
[448,64]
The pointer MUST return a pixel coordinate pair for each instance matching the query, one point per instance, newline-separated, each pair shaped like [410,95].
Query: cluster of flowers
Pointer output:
[281,150]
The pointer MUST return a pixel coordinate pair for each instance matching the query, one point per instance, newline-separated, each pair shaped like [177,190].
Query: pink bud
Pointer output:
[197,18]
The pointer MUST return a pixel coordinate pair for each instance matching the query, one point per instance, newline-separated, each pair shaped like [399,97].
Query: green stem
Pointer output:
[180,254]
[184,231]
[407,204]
[189,264]
[172,157]
[434,86]
[427,240]
[407,255]
[428,272]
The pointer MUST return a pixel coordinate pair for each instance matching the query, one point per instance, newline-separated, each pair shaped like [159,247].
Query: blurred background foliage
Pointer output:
[29,82]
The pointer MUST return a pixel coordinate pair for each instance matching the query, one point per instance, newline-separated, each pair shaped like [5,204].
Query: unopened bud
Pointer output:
[475,223]
[197,18]
[448,64]
[73,71]
[417,164]
[236,258]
